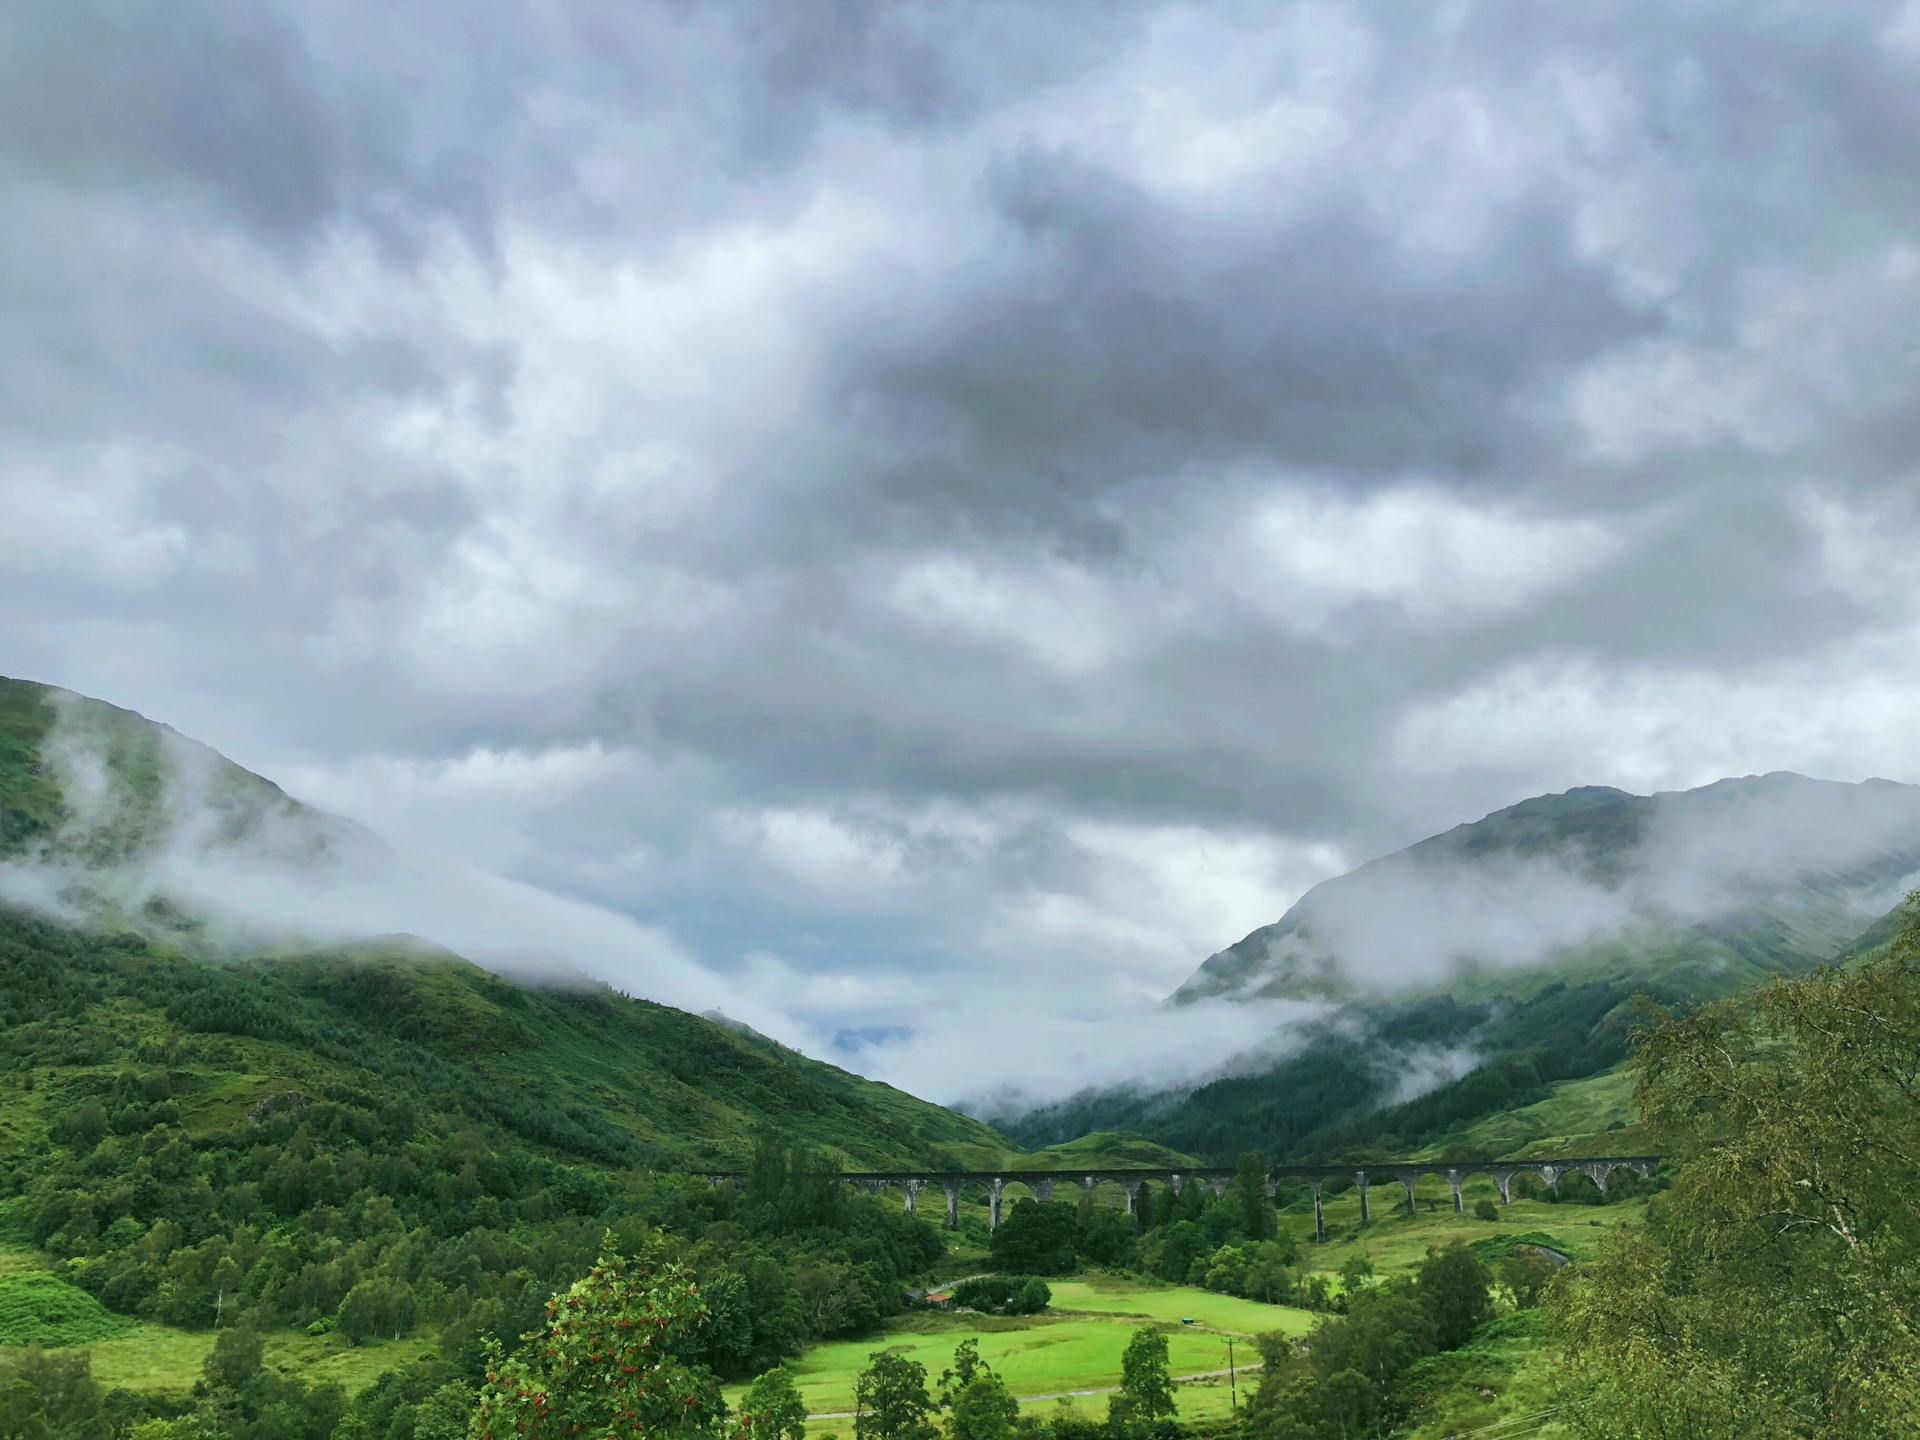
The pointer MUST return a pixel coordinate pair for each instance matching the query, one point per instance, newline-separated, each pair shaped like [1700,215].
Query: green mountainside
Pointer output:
[1473,975]
[88,792]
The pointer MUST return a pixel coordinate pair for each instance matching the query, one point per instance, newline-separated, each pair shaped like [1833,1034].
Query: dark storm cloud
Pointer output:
[1143,343]
[894,492]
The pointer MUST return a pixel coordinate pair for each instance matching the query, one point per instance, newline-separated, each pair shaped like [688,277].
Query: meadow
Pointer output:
[1071,1354]
[1068,1355]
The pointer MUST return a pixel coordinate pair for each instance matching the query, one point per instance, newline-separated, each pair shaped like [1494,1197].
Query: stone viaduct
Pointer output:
[1040,1183]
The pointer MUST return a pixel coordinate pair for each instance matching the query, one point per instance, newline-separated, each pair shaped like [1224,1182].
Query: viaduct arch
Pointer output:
[1040,1184]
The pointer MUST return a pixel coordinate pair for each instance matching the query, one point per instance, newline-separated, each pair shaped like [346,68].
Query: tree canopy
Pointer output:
[1775,1290]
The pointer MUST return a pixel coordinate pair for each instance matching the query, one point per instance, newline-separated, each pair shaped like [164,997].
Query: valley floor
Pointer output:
[1069,1356]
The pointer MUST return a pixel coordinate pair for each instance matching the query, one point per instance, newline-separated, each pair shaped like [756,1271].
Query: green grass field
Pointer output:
[1132,1303]
[1075,1347]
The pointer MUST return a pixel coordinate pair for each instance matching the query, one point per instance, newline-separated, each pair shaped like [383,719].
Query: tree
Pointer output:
[890,1399]
[1456,1290]
[1180,1245]
[1035,1239]
[1031,1298]
[1105,1237]
[444,1415]
[1227,1270]
[1268,1277]
[376,1307]
[1355,1271]
[1146,1390]
[966,1365]
[1249,1191]
[790,1188]
[605,1362]
[235,1358]
[982,1407]
[1346,1378]
[772,1407]
[831,1299]
[1776,1286]
[1526,1272]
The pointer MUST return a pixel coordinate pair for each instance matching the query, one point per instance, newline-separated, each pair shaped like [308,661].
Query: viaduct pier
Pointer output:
[1040,1184]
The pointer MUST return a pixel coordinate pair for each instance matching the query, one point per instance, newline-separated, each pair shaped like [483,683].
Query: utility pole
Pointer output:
[1233,1389]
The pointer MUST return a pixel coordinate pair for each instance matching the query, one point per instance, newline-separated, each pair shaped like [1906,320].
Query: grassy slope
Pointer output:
[1105,1149]
[1506,1377]
[1580,1117]
[691,1088]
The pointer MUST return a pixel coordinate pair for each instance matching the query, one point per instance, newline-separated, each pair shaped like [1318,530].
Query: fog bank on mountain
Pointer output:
[1744,876]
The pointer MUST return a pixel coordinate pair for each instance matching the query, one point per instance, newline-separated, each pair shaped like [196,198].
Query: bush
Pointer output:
[1485,1209]
[1004,1295]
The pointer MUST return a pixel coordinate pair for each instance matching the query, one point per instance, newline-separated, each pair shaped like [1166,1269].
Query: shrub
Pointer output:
[1004,1295]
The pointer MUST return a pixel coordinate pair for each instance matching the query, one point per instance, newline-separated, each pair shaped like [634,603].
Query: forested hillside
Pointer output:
[385,1145]
[355,1142]
[1335,1096]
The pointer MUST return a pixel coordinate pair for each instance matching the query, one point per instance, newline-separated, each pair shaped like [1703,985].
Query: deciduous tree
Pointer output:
[1776,1287]
[604,1363]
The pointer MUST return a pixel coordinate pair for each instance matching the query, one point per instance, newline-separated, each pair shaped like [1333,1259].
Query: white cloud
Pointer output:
[1432,559]
[1057,614]
[92,521]
[1800,351]
[1553,724]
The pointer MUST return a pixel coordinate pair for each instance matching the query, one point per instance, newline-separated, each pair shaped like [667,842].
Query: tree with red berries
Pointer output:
[603,1364]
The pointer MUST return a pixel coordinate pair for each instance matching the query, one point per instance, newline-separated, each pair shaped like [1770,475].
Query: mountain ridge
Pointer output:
[1473,972]
[1691,881]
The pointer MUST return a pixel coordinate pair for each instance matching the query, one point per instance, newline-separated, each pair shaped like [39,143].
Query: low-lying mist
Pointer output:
[1566,878]
[163,834]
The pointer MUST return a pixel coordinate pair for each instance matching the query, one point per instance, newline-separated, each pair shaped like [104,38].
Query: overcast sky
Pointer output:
[955,512]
